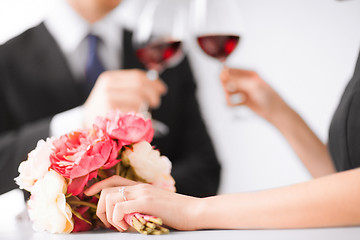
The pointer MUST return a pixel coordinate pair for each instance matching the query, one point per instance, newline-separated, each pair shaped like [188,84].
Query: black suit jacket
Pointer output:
[36,84]
[344,133]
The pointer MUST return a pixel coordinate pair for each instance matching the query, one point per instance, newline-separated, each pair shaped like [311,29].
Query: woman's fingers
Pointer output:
[101,207]
[105,207]
[233,93]
[107,187]
[243,87]
[127,207]
[234,80]
[115,202]
[236,99]
[113,181]
[118,215]
[104,203]
[110,201]
[109,198]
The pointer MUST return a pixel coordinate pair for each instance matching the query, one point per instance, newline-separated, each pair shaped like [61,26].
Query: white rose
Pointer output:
[147,162]
[36,166]
[47,205]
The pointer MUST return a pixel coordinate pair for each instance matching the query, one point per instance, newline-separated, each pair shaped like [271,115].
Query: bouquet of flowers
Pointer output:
[58,170]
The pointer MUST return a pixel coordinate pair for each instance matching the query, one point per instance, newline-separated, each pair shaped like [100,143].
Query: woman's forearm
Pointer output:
[329,201]
[309,148]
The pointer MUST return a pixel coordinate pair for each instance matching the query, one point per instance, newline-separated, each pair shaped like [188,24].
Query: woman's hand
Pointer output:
[262,99]
[177,211]
[256,93]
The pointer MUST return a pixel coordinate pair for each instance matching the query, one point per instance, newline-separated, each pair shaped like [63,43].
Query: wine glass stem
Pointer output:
[152,74]
[223,62]
[144,110]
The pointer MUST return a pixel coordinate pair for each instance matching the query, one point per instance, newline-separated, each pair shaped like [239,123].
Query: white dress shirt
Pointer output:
[70,32]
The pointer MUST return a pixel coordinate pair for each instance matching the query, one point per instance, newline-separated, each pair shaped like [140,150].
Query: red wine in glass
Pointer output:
[160,54]
[218,46]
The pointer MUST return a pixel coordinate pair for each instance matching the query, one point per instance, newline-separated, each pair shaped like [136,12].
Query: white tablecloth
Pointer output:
[24,231]
[13,227]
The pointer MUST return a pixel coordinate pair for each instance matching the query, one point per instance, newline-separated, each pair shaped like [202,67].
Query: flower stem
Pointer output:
[76,202]
[78,215]
[102,174]
[117,169]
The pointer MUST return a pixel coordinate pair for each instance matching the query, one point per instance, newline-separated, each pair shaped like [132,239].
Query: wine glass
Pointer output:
[157,38]
[217,28]
[159,34]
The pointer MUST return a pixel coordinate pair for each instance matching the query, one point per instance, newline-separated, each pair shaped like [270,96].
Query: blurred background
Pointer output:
[305,49]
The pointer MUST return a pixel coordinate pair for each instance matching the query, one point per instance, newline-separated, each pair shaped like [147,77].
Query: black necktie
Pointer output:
[94,66]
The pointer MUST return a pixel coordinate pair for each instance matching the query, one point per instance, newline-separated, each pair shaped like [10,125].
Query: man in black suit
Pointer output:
[39,81]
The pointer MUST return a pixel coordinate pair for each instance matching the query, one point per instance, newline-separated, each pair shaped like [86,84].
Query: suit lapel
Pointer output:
[54,66]
[129,58]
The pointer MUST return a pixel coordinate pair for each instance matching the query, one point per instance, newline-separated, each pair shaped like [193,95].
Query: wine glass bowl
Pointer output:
[216,27]
[160,54]
[218,46]
[159,34]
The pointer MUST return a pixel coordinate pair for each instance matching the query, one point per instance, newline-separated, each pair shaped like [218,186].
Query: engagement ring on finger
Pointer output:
[122,191]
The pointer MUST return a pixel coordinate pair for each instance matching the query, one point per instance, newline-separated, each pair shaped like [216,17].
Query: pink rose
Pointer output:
[79,154]
[127,128]
[76,185]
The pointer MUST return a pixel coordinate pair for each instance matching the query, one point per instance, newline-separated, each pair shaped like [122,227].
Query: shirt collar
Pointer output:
[70,29]
[109,30]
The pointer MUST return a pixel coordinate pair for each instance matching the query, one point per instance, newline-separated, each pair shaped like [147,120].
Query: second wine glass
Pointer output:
[216,27]
[218,30]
